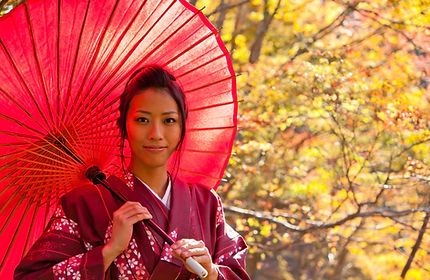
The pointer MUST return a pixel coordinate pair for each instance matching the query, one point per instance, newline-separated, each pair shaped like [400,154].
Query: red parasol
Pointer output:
[64,65]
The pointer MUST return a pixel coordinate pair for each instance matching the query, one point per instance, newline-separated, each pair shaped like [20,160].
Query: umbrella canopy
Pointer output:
[64,66]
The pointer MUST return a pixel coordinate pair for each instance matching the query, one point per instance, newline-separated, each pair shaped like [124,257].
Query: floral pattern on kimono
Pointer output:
[71,248]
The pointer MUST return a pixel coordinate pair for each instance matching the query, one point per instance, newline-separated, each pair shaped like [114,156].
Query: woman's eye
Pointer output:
[170,120]
[142,119]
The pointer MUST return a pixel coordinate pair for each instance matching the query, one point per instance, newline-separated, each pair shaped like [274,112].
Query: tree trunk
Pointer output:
[240,16]
[416,246]
[193,2]
[261,32]
[222,13]
[258,41]
[251,264]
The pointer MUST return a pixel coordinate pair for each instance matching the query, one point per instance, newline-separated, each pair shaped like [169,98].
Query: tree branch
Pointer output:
[262,30]
[227,7]
[388,26]
[338,21]
[2,4]
[416,246]
[315,225]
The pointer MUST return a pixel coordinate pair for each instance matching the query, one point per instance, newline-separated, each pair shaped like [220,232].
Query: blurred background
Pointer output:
[329,177]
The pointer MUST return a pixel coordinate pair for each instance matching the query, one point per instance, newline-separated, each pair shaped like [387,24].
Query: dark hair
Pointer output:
[151,76]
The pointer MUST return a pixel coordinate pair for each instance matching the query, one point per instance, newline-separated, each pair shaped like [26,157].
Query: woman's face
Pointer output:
[153,128]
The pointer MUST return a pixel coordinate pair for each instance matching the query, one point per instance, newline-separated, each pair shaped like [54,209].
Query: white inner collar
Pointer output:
[166,198]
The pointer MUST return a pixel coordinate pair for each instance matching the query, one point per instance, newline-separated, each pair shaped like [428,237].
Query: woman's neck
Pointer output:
[155,178]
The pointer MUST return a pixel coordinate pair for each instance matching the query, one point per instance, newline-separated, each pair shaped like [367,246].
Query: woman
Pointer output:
[94,235]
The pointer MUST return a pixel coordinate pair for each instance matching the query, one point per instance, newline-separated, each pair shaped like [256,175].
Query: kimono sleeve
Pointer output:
[60,253]
[230,249]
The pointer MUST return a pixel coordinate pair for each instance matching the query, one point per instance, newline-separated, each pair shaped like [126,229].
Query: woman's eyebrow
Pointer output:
[164,113]
[170,112]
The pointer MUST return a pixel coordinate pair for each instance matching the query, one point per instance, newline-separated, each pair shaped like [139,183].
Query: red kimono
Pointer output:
[71,246]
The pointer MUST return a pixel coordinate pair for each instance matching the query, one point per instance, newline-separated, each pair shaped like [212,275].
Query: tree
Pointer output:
[329,179]
[7,5]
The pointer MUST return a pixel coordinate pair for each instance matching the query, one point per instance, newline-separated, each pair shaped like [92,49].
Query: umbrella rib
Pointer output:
[38,163]
[19,190]
[210,84]
[190,46]
[15,234]
[110,131]
[205,152]
[109,105]
[155,48]
[70,156]
[213,106]
[36,56]
[63,134]
[48,206]
[15,153]
[23,217]
[117,43]
[23,81]
[39,181]
[95,122]
[197,173]
[27,241]
[11,215]
[73,114]
[99,43]
[18,123]
[128,56]
[210,128]
[69,88]
[28,176]
[28,172]
[95,119]
[92,125]
[73,141]
[58,59]
[132,50]
[198,42]
[201,65]
[16,103]
[195,44]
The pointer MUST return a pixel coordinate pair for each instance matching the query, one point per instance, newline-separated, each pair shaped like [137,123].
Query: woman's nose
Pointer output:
[156,131]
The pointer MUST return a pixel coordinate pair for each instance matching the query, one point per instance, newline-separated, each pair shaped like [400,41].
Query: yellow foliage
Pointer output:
[334,112]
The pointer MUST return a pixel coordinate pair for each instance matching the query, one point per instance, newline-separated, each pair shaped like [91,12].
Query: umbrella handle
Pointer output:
[196,267]
[96,176]
[192,263]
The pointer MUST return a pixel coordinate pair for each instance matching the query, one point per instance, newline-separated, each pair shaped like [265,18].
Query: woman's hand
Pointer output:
[185,248]
[123,220]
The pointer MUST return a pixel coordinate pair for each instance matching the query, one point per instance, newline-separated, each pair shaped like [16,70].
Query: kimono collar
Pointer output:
[167,195]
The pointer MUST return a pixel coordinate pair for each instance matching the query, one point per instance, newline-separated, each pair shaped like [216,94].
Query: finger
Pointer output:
[130,205]
[189,248]
[133,212]
[195,252]
[129,218]
[188,243]
[137,215]
[131,209]
[137,218]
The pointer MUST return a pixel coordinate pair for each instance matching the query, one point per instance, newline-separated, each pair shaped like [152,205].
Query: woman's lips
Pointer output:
[155,148]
